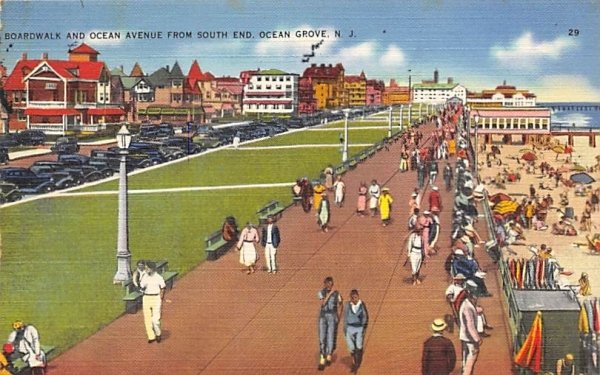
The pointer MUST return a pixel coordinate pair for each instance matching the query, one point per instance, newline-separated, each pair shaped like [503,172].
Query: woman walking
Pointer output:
[361,204]
[385,206]
[246,246]
[323,213]
[340,191]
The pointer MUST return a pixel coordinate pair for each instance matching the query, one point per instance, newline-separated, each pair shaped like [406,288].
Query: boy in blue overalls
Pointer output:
[329,315]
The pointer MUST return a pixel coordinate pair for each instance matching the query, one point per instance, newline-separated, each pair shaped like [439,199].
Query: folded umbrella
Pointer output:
[530,354]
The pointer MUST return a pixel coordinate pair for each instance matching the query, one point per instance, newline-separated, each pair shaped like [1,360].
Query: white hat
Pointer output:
[438,325]
[413,195]
[459,252]
[426,212]
[434,188]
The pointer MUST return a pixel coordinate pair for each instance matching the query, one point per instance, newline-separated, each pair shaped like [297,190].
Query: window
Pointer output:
[288,78]
[177,83]
[21,115]
[51,85]
[258,79]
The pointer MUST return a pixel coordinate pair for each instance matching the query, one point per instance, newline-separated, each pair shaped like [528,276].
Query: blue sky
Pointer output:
[478,43]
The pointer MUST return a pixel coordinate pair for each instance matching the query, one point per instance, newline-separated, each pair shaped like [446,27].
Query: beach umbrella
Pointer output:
[530,354]
[582,178]
[559,149]
[529,156]
[499,197]
[505,207]
[578,168]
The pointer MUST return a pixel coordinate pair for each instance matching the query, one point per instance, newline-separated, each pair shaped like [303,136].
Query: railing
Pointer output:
[91,127]
[50,128]
[46,104]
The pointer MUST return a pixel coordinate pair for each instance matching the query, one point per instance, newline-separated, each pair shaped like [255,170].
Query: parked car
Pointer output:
[165,130]
[9,192]
[61,179]
[113,159]
[9,140]
[78,161]
[148,131]
[65,145]
[4,158]
[27,181]
[56,166]
[31,137]
[183,143]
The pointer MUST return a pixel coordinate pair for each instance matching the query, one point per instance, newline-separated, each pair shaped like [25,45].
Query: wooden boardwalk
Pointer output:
[222,321]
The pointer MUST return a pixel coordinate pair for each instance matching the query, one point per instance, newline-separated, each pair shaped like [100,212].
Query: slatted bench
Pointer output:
[215,245]
[340,169]
[352,163]
[273,208]
[21,367]
[364,154]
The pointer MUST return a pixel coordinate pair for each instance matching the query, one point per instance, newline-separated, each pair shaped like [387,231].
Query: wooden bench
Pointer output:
[21,367]
[340,169]
[364,154]
[273,208]
[371,152]
[352,163]
[133,296]
[215,245]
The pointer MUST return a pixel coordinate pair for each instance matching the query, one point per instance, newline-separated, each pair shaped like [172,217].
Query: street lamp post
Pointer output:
[410,114]
[476,118]
[123,255]
[401,117]
[390,123]
[345,145]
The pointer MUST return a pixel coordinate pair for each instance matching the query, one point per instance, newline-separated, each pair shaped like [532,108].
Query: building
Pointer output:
[394,94]
[356,90]
[273,92]
[306,100]
[60,96]
[136,89]
[327,82]
[232,90]
[506,122]
[502,96]
[434,92]
[374,94]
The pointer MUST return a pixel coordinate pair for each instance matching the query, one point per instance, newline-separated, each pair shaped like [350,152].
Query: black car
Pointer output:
[61,180]
[183,143]
[76,174]
[9,140]
[65,145]
[4,158]
[148,131]
[165,130]
[26,180]
[78,161]
[9,192]
[31,137]
[112,158]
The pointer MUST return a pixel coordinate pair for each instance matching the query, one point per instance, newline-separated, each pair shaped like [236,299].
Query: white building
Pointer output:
[272,92]
[502,96]
[438,93]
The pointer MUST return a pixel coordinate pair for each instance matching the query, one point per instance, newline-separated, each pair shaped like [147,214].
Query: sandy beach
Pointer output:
[570,256]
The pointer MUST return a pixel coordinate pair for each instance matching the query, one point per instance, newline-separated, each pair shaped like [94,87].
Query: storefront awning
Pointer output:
[51,111]
[106,111]
[153,111]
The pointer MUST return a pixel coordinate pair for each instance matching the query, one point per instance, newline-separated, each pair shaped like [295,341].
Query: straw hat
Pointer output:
[386,189]
[438,325]
[459,276]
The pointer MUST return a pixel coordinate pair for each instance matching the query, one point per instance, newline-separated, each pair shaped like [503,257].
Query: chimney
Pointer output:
[436,76]
[313,65]
[450,80]
[167,68]
[504,83]
[121,68]
[44,55]
[331,66]
[24,56]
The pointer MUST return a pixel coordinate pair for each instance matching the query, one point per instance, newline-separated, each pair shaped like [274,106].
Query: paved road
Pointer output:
[222,321]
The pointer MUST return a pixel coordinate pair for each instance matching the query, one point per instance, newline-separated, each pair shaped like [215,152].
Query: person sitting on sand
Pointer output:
[514,234]
[564,228]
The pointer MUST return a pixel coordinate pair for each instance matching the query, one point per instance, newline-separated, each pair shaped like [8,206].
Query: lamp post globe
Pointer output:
[123,273]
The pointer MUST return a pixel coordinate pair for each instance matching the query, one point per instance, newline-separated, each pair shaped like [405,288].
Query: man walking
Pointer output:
[448,175]
[270,240]
[153,286]
[329,315]
[439,356]
[414,252]
[469,337]
[355,322]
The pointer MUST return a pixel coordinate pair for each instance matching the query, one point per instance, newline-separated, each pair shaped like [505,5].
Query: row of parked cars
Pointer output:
[72,169]
[23,138]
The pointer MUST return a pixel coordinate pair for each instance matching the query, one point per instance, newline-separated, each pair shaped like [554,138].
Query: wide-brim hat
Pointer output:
[459,276]
[426,212]
[434,188]
[439,325]
[386,189]
[459,252]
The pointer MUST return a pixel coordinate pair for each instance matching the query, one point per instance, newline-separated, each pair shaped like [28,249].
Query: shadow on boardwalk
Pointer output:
[222,321]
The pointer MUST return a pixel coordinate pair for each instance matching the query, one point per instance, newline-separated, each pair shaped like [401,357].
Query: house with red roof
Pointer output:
[61,96]
[502,96]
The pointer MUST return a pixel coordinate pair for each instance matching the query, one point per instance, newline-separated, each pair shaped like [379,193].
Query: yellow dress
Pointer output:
[318,190]
[3,363]
[385,206]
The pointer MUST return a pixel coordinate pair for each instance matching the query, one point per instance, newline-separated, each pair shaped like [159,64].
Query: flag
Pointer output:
[530,354]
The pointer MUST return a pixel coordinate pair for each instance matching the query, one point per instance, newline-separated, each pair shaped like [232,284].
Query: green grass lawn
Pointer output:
[58,254]
[233,167]
[325,137]
[57,269]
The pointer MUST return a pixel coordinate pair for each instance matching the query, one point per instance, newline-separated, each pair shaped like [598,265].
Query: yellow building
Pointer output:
[394,94]
[356,90]
[328,85]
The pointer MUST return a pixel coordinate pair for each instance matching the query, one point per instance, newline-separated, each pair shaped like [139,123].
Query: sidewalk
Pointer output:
[222,321]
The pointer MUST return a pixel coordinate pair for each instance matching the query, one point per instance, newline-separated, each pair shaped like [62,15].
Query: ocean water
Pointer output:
[577,116]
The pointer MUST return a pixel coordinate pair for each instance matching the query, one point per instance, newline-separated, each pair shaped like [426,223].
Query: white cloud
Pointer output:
[393,57]
[526,53]
[566,88]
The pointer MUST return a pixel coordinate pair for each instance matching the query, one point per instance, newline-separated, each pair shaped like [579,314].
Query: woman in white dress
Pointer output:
[247,247]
